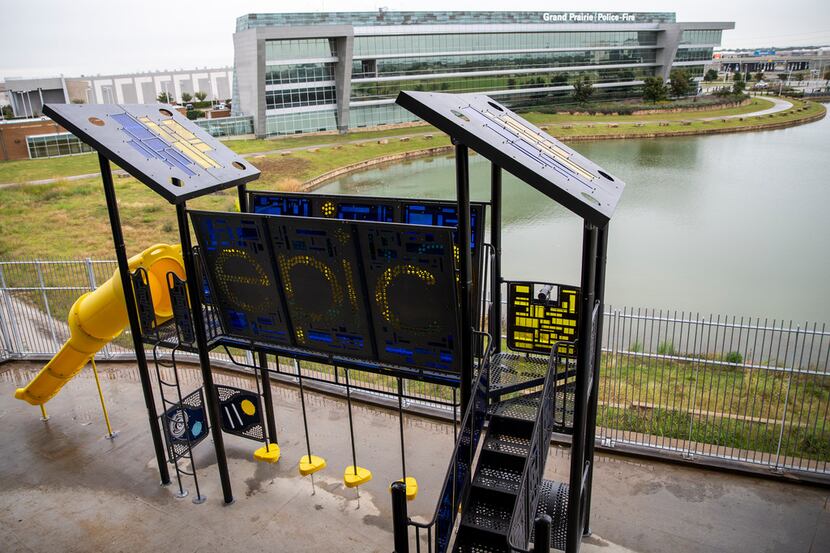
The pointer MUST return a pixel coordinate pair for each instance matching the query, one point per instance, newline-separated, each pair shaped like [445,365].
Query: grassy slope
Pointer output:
[69,218]
[29,170]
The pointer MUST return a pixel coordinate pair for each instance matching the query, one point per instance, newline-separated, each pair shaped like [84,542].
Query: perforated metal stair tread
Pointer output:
[513,371]
[498,478]
[522,408]
[477,547]
[509,444]
[487,515]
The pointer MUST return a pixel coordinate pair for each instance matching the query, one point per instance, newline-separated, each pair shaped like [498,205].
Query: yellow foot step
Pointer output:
[268,454]
[355,476]
[411,487]
[310,465]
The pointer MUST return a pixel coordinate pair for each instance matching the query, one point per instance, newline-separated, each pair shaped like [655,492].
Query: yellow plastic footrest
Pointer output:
[269,454]
[310,465]
[355,476]
[411,488]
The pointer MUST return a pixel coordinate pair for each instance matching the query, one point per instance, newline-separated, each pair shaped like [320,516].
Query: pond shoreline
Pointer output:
[323,179]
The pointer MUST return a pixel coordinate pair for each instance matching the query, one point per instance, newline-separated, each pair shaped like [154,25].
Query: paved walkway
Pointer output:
[780,105]
[66,488]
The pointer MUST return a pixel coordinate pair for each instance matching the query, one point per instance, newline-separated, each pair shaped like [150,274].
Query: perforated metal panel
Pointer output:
[522,149]
[158,146]
[235,252]
[319,267]
[240,412]
[534,323]
[185,425]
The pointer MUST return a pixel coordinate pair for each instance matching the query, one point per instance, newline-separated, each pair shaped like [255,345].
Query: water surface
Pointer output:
[735,224]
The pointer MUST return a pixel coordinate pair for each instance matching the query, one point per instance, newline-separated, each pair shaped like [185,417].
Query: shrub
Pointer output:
[666,348]
[635,347]
[734,357]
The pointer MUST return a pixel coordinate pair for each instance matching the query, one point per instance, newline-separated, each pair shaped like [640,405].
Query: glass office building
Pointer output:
[311,72]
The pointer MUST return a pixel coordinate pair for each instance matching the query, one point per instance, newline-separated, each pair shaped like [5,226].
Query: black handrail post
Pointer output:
[591,431]
[132,315]
[541,534]
[584,354]
[495,240]
[267,398]
[399,517]
[242,194]
[201,344]
[462,186]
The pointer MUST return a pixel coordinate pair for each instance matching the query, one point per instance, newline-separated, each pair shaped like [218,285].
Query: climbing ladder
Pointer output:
[176,411]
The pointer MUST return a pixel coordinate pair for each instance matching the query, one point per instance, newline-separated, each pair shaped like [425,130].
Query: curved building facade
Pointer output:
[311,72]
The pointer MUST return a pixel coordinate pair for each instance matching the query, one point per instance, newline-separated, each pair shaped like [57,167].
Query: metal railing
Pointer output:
[746,392]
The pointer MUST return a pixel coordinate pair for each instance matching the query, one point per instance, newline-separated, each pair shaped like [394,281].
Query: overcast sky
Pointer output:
[74,37]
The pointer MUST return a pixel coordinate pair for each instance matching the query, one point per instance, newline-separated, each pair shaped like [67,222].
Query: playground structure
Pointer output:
[401,288]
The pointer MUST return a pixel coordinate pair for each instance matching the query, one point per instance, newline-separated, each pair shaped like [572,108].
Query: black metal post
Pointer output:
[242,193]
[399,517]
[132,316]
[266,397]
[201,344]
[462,187]
[495,240]
[591,430]
[581,397]
[541,534]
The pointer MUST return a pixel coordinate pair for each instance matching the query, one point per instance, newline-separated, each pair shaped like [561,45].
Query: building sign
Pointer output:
[589,17]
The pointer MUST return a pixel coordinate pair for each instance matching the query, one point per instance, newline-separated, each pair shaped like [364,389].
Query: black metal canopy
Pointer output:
[521,148]
[158,146]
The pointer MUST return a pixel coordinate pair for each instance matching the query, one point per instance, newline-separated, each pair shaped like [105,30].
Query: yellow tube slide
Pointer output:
[100,316]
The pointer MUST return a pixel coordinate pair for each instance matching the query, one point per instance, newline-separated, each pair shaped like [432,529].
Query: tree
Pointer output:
[654,89]
[799,76]
[759,76]
[7,112]
[748,77]
[782,76]
[679,82]
[737,77]
[827,75]
[583,89]
[164,98]
[200,95]
[186,97]
[559,79]
[738,88]
[711,75]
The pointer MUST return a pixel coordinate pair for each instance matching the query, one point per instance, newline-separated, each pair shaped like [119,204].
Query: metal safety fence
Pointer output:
[735,391]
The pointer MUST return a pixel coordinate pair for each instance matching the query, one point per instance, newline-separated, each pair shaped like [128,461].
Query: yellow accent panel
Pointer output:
[98,317]
[174,126]
[534,324]
[269,454]
[310,465]
[190,153]
[247,407]
[355,476]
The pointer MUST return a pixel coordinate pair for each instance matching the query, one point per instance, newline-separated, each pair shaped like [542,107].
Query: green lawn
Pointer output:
[39,169]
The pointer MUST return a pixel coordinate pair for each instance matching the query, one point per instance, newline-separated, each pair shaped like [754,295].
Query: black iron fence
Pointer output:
[739,391]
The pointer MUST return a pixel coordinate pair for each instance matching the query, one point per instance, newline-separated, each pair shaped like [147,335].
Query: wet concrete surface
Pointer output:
[64,487]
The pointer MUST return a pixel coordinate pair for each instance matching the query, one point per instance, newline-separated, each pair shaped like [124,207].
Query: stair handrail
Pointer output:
[524,513]
[454,493]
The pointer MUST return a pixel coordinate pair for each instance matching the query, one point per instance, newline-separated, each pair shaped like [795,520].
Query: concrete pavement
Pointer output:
[66,488]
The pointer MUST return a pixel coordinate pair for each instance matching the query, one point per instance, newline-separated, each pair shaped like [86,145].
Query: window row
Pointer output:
[299,49]
[227,126]
[295,123]
[54,145]
[279,99]
[367,46]
[701,37]
[369,68]
[300,73]
[377,91]
[693,54]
